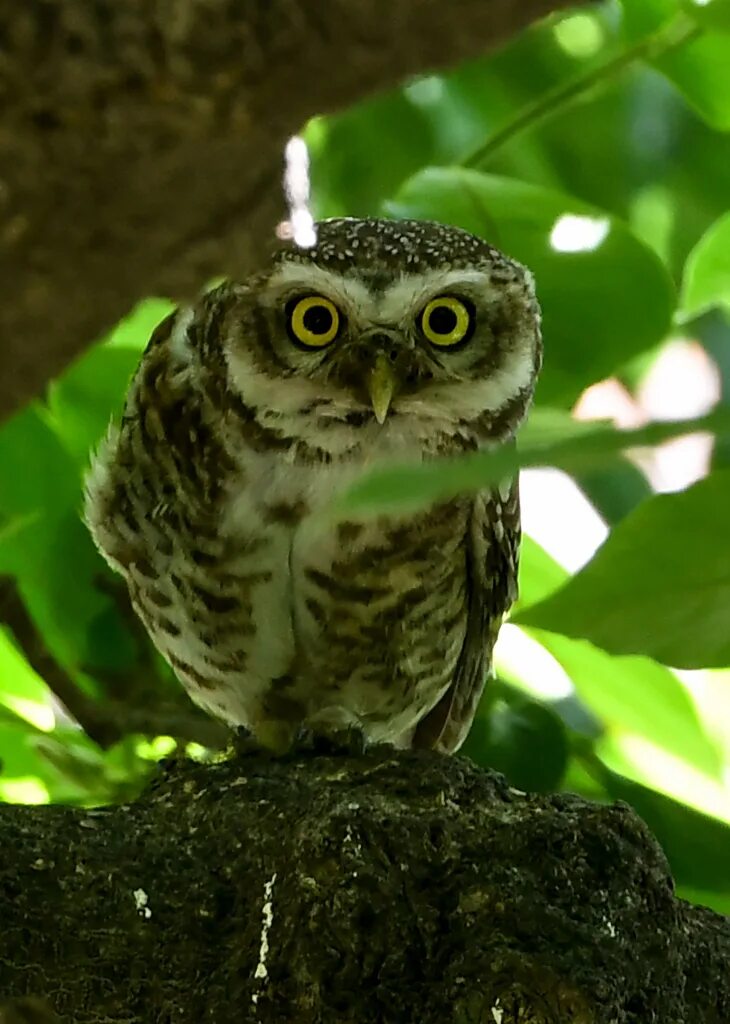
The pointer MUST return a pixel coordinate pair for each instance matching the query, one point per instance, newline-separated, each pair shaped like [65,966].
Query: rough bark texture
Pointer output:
[388,888]
[141,141]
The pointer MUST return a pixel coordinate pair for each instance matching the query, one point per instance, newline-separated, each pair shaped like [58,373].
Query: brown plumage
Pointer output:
[251,411]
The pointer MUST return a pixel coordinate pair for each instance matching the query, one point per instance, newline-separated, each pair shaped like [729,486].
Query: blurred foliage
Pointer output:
[675,550]
[592,149]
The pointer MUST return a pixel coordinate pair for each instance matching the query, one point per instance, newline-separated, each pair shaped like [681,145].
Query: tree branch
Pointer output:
[106,721]
[666,39]
[141,141]
[386,888]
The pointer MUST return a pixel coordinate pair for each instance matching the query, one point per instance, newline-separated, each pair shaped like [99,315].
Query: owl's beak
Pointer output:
[381,385]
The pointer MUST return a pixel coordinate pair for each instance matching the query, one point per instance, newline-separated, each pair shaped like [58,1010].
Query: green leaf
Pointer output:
[660,585]
[701,71]
[135,329]
[74,757]
[21,775]
[697,846]
[713,14]
[346,180]
[83,401]
[706,280]
[540,574]
[582,258]
[21,691]
[567,444]
[91,391]
[630,694]
[615,492]
[521,738]
[717,901]
[636,695]
[700,67]
[643,17]
[57,569]
[632,757]
[37,474]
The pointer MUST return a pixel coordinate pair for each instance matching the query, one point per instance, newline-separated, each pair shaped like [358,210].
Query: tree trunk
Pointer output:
[141,141]
[386,888]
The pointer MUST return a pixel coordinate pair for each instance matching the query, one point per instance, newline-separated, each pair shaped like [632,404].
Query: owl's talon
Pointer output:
[348,742]
[245,744]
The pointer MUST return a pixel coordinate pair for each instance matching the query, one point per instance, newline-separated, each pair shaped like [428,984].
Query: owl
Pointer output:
[250,414]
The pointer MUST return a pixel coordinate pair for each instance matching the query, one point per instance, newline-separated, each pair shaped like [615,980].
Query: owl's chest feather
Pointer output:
[327,581]
[286,610]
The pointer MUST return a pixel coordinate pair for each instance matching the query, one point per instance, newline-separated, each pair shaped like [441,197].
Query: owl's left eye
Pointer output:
[313,321]
[447,321]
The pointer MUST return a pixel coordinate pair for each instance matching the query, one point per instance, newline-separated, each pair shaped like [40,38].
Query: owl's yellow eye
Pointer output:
[447,321]
[314,321]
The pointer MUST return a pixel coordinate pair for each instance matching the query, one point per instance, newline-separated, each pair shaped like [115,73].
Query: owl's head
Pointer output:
[402,329]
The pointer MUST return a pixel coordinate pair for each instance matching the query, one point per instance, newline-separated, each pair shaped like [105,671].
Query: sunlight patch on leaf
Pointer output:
[557,513]
[717,901]
[659,586]
[28,790]
[710,689]
[154,749]
[706,281]
[135,329]
[22,691]
[581,35]
[523,660]
[637,758]
[637,695]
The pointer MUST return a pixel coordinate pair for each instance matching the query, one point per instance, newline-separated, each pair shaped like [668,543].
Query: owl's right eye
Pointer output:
[313,321]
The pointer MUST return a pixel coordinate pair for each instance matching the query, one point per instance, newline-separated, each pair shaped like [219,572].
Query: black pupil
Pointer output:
[317,319]
[443,320]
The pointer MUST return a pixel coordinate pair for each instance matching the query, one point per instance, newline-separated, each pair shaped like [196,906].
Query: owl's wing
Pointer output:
[164,455]
[492,558]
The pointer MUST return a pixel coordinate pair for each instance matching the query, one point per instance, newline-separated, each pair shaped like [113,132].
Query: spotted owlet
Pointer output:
[252,410]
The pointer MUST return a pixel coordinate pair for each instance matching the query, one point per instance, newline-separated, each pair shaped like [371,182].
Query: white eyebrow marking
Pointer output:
[345,291]
[411,291]
[401,299]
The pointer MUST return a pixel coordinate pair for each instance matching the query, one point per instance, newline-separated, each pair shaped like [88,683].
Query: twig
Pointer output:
[104,723]
[669,38]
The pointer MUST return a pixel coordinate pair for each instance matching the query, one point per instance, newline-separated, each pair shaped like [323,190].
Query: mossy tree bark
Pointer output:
[386,888]
[141,141]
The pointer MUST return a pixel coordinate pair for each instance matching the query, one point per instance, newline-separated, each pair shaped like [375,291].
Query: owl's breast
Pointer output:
[379,611]
[313,617]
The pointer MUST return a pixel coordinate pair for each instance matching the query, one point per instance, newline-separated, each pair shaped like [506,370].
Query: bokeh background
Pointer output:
[595,148]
